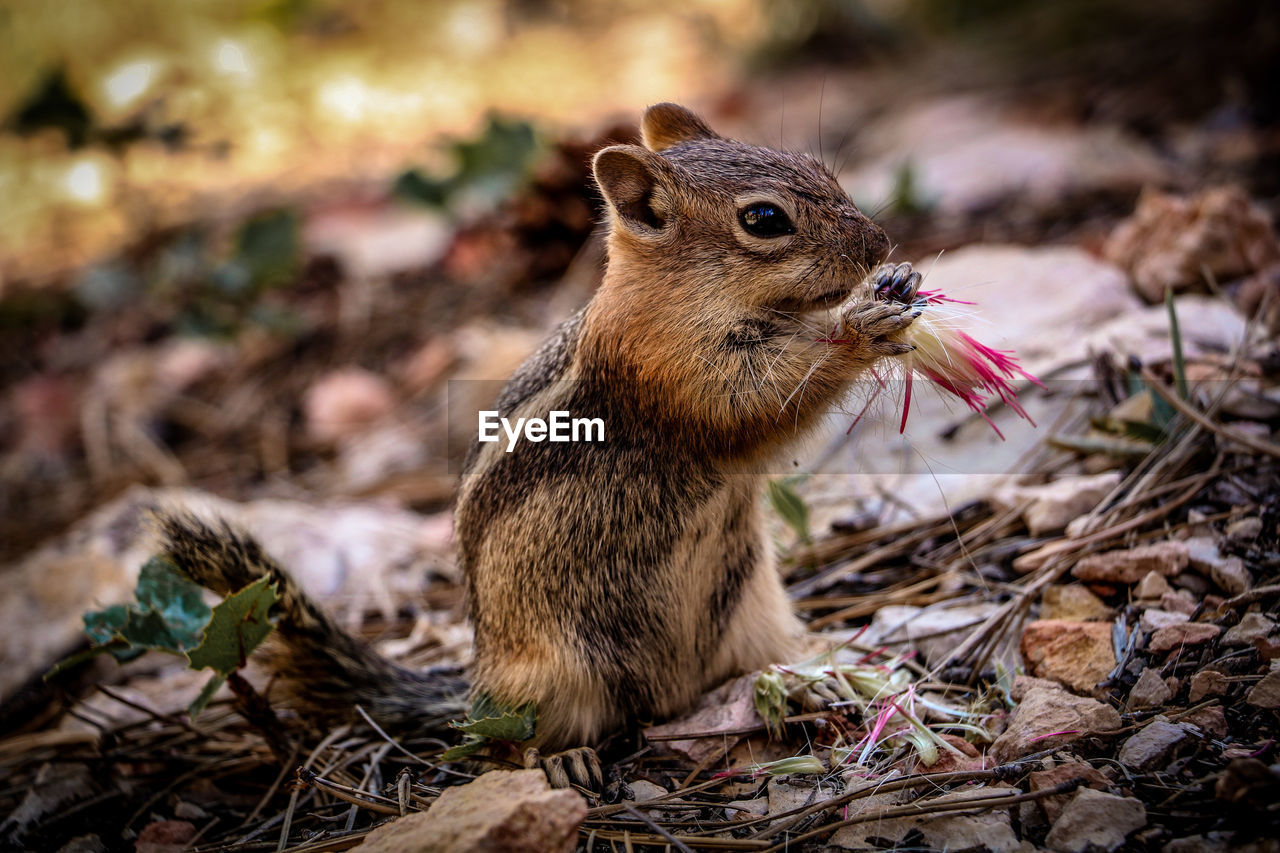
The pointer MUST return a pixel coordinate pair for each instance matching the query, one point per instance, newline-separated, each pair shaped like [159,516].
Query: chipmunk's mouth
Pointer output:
[821,302]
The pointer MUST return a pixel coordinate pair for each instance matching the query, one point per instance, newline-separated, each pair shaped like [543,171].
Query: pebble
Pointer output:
[1095,820]
[1206,682]
[500,810]
[1150,690]
[1047,717]
[1152,586]
[1075,654]
[1066,772]
[1154,745]
[1177,636]
[1073,602]
[1132,565]
[1252,626]
[1266,693]
[1153,619]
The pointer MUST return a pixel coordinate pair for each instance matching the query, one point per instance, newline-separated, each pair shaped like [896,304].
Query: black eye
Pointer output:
[765,220]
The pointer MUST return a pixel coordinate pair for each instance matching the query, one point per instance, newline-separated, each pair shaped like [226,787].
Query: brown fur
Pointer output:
[615,582]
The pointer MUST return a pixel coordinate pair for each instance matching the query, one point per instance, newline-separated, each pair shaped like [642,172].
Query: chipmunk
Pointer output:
[614,582]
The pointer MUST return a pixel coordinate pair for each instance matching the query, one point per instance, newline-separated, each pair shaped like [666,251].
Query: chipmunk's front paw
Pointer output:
[896,283]
[873,327]
[573,768]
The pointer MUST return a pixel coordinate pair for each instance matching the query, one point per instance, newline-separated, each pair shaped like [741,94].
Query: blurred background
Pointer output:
[245,244]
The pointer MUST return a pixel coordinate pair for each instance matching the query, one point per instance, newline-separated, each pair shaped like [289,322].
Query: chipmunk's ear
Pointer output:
[665,125]
[633,180]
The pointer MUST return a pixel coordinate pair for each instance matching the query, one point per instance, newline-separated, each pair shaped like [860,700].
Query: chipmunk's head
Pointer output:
[698,213]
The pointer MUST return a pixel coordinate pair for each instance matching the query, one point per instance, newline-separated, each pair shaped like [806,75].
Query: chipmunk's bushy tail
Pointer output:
[325,670]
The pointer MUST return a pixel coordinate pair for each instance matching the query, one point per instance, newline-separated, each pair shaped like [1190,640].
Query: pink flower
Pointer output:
[955,362]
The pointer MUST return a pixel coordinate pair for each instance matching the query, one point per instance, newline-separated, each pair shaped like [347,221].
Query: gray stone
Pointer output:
[1252,626]
[1154,745]
[1149,691]
[1094,819]
[1266,693]
[1049,717]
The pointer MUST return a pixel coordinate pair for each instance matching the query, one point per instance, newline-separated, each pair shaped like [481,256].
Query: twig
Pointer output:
[1256,444]
[649,822]
[420,760]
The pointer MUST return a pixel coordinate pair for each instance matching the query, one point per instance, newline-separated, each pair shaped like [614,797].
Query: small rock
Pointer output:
[1178,602]
[1149,691]
[643,791]
[1192,584]
[1266,693]
[1211,720]
[1024,684]
[746,809]
[189,811]
[1153,619]
[1206,682]
[1229,573]
[165,836]
[1231,576]
[1202,552]
[1174,242]
[1132,564]
[504,811]
[949,762]
[1073,603]
[1244,529]
[1151,587]
[1249,782]
[1214,843]
[1177,636]
[1252,626]
[1049,507]
[1043,779]
[1047,717]
[1154,745]
[1093,820]
[344,403]
[1076,654]
[1268,649]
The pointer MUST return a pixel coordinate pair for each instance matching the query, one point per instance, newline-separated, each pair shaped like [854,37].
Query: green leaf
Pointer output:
[1175,336]
[200,702]
[787,766]
[239,625]
[1142,431]
[790,507]
[102,625]
[176,601]
[470,746]
[268,246]
[490,720]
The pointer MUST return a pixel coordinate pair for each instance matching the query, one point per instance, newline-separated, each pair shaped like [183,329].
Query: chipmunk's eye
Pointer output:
[765,220]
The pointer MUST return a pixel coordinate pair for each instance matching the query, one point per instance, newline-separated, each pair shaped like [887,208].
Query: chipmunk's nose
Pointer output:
[876,244]
[866,236]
